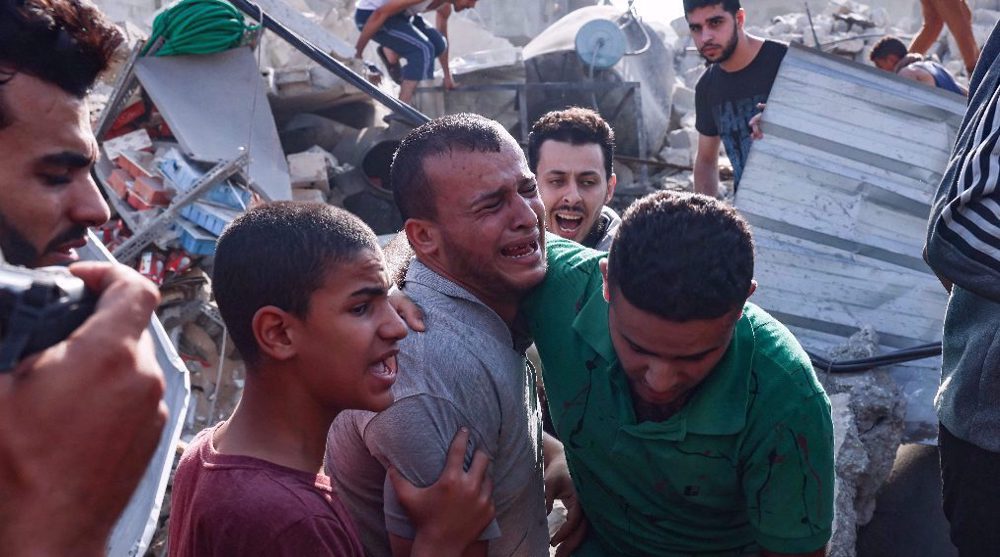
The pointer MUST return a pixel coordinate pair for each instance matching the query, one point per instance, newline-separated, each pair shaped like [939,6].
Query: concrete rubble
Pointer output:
[336,151]
[868,412]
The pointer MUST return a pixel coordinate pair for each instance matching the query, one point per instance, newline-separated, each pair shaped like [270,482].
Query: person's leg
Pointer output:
[958,17]
[407,89]
[409,43]
[931,29]
[400,34]
[433,35]
[971,492]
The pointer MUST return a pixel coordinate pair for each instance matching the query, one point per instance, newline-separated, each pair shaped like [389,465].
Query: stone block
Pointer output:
[308,170]
[684,102]
[677,157]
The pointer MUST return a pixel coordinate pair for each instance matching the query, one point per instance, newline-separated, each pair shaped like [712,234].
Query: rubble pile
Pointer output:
[868,412]
[843,28]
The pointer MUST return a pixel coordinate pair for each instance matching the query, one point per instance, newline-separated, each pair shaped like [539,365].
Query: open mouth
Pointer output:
[521,250]
[568,222]
[385,369]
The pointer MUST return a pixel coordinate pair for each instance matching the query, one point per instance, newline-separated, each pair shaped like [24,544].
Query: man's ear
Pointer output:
[612,182]
[741,17]
[753,288]
[273,329]
[423,235]
[603,264]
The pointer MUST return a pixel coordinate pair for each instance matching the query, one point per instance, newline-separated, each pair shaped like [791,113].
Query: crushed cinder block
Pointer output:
[684,99]
[684,138]
[868,410]
[308,170]
[677,157]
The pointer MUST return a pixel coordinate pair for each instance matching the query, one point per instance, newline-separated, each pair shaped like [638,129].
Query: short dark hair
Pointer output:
[67,43]
[888,46]
[682,257]
[576,126]
[731,6]
[413,192]
[278,255]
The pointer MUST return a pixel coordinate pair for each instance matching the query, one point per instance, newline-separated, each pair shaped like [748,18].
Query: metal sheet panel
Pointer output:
[839,192]
[135,528]
[226,112]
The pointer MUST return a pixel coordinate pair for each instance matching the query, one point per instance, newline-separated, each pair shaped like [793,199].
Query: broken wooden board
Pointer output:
[838,193]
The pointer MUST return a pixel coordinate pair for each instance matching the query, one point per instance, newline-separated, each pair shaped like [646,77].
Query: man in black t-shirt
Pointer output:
[733,89]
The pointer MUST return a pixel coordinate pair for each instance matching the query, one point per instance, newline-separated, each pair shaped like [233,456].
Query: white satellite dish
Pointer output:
[600,44]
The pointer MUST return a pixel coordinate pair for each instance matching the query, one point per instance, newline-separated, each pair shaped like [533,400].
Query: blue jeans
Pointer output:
[411,38]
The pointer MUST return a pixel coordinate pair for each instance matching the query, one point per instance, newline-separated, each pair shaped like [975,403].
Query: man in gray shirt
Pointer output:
[475,222]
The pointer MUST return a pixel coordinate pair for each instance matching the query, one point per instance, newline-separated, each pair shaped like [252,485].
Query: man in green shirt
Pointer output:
[692,421]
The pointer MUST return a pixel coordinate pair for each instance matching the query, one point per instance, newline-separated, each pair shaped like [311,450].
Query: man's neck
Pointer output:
[273,423]
[504,304]
[746,50]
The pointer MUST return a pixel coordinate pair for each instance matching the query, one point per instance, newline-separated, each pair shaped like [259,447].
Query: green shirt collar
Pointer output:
[718,406]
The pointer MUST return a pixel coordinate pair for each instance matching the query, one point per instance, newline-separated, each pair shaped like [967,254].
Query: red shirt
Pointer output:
[238,505]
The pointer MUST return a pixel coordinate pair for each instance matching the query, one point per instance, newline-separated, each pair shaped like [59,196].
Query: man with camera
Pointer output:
[79,420]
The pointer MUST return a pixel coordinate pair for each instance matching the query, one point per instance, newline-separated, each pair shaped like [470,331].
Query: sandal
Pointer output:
[395,71]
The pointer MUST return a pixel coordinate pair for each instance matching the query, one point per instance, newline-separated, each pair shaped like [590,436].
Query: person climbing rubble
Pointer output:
[889,54]
[400,30]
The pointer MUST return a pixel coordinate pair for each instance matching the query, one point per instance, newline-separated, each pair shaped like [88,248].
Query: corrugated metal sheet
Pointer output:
[839,192]
[135,528]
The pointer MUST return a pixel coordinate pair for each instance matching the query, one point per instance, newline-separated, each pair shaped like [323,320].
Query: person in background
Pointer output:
[958,17]
[400,30]
[732,92]
[889,54]
[572,153]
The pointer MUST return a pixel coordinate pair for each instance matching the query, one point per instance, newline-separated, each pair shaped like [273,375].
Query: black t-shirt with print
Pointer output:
[726,101]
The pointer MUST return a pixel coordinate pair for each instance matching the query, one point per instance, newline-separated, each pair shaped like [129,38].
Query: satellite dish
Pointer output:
[600,44]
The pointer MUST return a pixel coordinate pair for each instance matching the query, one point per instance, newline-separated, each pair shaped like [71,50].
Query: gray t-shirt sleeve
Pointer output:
[414,435]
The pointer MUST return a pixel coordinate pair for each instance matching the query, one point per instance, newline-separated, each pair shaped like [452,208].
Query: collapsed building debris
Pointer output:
[331,145]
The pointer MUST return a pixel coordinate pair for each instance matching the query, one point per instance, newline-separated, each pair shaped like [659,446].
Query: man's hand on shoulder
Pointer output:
[450,514]
[79,422]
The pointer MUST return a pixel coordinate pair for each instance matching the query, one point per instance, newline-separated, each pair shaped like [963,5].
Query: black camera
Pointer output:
[38,308]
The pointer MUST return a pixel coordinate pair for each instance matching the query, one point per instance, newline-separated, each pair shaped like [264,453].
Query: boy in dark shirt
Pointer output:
[303,290]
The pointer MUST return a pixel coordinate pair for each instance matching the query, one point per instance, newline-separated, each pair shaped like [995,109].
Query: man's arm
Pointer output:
[788,480]
[79,422]
[450,514]
[443,13]
[377,20]
[706,165]
[408,437]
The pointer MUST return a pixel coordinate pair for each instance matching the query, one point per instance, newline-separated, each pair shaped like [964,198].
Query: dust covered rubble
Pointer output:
[843,27]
